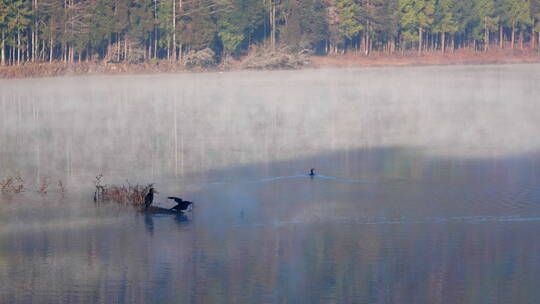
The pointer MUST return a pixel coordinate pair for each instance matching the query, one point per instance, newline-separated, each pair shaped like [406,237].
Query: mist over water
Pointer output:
[428,186]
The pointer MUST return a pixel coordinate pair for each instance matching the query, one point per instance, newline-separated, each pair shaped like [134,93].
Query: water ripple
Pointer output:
[279,178]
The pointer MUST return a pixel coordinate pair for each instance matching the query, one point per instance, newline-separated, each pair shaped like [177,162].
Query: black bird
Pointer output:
[148,199]
[181,205]
[312,172]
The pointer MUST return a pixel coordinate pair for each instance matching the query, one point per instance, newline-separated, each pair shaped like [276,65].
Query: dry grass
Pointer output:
[411,58]
[126,194]
[12,185]
[43,187]
[17,185]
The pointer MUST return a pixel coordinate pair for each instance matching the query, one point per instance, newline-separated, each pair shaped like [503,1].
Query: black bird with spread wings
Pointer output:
[181,205]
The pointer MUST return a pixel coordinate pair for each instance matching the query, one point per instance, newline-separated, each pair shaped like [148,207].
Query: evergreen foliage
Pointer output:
[137,30]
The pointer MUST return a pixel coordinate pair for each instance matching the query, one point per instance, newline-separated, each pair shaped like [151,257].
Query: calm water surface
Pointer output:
[428,188]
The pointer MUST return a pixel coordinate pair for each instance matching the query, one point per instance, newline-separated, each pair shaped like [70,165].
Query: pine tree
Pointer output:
[519,17]
[416,16]
[3,29]
[18,19]
[535,14]
[486,20]
[197,27]
[349,19]
[445,22]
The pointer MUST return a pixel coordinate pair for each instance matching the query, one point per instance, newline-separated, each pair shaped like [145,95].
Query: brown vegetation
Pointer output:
[43,187]
[12,185]
[127,194]
[17,185]
[269,60]
[462,56]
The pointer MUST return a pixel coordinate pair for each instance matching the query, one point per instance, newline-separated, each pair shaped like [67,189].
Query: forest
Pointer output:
[136,31]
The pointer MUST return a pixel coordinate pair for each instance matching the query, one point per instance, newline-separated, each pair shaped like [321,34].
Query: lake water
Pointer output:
[428,187]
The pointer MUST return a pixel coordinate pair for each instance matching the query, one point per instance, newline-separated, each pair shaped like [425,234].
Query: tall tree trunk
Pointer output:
[522,39]
[3,49]
[368,42]
[35,41]
[533,38]
[513,33]
[180,55]
[32,46]
[155,29]
[174,30]
[420,41]
[501,38]
[273,25]
[51,51]
[443,41]
[486,35]
[18,47]
[72,54]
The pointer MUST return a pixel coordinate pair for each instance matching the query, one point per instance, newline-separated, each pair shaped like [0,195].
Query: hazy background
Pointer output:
[428,189]
[167,125]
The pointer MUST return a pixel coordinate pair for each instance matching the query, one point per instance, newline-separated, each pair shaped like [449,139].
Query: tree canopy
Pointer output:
[143,30]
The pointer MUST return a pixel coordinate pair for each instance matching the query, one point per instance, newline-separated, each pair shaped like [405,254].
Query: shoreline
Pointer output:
[349,60]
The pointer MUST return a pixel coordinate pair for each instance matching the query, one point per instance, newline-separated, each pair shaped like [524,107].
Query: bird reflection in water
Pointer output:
[182,219]
[149,223]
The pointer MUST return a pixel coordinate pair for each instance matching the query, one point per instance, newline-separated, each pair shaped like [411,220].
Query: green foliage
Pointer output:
[102,24]
[231,34]
[98,28]
[18,16]
[415,15]
[197,26]
[306,24]
[165,15]
[238,20]
[486,18]
[350,14]
[518,13]
[444,17]
[3,13]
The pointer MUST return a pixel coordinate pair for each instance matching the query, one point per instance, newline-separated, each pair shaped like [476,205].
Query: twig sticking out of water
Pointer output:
[62,188]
